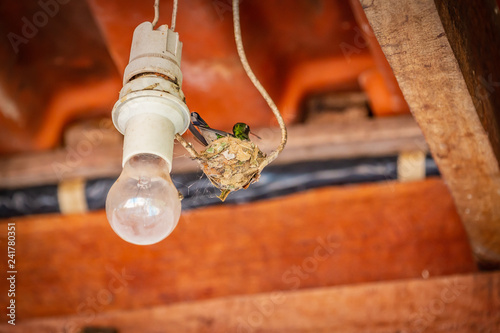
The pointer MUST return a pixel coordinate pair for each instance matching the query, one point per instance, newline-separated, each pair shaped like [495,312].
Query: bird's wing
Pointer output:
[198,121]
[197,134]
[213,130]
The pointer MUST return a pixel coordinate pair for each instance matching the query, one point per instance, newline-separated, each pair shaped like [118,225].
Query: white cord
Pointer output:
[174,16]
[256,83]
[157,13]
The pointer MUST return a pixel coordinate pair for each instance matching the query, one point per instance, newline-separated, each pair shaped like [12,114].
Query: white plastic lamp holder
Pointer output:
[143,206]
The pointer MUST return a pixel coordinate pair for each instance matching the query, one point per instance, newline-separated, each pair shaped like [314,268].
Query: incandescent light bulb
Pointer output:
[143,205]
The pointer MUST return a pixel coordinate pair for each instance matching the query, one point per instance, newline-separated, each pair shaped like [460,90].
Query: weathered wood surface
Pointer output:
[96,152]
[324,237]
[474,35]
[418,49]
[464,304]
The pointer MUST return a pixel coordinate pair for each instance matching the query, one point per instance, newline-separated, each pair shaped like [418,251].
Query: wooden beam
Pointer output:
[93,152]
[418,49]
[463,304]
[470,31]
[323,237]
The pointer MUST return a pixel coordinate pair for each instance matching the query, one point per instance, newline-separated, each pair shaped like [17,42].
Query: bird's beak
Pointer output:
[258,137]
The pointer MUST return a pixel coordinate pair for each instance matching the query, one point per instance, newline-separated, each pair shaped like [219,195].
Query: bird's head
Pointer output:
[197,120]
[241,131]
[194,116]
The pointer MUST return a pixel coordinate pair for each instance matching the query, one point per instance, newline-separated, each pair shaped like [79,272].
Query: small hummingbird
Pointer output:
[241,131]
[205,134]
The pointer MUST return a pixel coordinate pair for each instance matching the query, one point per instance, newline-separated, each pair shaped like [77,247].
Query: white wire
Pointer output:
[157,13]
[174,15]
[256,82]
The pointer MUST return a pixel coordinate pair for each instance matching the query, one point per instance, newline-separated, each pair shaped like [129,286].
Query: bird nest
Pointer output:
[231,164]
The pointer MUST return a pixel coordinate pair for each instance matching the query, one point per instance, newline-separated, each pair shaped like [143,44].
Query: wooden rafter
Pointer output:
[418,49]
[94,151]
[351,234]
[452,304]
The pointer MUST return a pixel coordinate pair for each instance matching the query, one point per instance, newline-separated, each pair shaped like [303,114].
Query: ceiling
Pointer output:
[63,61]
[63,64]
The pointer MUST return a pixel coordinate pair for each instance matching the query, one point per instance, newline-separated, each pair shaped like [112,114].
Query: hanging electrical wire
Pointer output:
[157,14]
[174,16]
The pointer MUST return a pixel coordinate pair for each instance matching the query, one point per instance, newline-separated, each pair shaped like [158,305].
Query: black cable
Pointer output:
[275,180]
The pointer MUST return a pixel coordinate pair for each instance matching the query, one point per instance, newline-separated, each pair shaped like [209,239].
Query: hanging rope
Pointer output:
[230,163]
[243,58]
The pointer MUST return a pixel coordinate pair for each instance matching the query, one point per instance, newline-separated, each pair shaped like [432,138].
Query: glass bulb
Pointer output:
[143,205]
